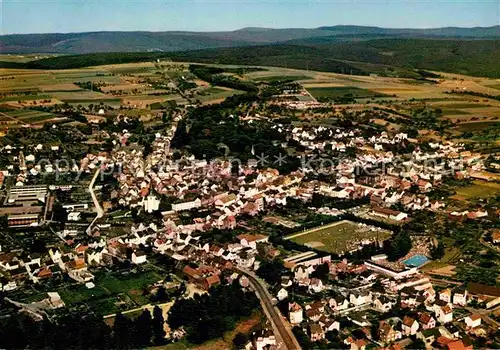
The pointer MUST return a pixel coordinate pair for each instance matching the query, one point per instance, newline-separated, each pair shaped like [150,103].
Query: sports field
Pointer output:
[340,237]
[479,189]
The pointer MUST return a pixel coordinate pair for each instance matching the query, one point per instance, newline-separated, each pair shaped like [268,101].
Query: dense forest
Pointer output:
[216,130]
[77,331]
[382,56]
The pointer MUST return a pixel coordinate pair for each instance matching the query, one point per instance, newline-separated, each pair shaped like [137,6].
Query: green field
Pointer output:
[278,78]
[25,98]
[214,93]
[111,294]
[463,105]
[478,189]
[454,112]
[29,115]
[474,127]
[341,91]
[339,237]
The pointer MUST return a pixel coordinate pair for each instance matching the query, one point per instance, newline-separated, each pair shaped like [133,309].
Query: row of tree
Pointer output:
[86,331]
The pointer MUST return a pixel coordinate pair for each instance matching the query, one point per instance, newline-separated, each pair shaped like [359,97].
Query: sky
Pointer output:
[63,16]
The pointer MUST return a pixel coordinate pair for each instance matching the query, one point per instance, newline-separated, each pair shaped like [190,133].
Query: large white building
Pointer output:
[187,205]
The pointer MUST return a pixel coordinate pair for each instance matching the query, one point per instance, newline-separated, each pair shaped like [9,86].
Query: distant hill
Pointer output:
[140,41]
[382,56]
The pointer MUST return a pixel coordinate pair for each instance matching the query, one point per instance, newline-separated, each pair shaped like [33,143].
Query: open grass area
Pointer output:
[214,94]
[447,112]
[277,78]
[126,283]
[29,115]
[344,91]
[463,105]
[479,189]
[25,98]
[339,237]
[111,293]
[479,126]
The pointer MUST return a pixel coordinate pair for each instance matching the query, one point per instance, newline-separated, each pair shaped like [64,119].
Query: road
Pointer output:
[99,210]
[97,205]
[281,329]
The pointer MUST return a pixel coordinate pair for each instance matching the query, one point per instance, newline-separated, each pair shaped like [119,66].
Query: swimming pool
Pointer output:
[416,261]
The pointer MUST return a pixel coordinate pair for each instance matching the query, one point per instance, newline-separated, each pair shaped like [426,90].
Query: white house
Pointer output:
[296,313]
[445,314]
[301,273]
[251,240]
[383,304]
[409,326]
[338,303]
[460,297]
[265,341]
[138,257]
[282,294]
[316,285]
[55,255]
[473,321]
[445,295]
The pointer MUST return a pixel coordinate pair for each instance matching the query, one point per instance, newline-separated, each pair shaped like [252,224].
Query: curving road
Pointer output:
[281,328]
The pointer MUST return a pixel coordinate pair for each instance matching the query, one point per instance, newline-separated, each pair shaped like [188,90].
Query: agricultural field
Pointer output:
[151,85]
[478,126]
[339,237]
[332,93]
[214,94]
[278,78]
[26,116]
[23,58]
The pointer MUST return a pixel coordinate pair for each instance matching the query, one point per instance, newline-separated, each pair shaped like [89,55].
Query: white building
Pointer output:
[473,321]
[282,294]
[187,205]
[138,257]
[151,203]
[295,313]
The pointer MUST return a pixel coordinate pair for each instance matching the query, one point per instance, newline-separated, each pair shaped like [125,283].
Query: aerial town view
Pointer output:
[250,175]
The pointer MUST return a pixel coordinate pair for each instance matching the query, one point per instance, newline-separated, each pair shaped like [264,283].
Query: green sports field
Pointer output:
[339,237]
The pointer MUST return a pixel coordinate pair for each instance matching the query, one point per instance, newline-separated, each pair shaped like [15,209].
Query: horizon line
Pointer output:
[251,27]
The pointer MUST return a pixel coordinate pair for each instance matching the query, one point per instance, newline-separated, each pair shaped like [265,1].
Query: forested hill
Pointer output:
[382,56]
[140,41]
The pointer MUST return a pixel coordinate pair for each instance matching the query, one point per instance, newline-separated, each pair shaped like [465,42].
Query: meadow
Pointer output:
[333,92]
[479,189]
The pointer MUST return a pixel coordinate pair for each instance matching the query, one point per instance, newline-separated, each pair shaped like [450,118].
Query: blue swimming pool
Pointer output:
[416,261]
